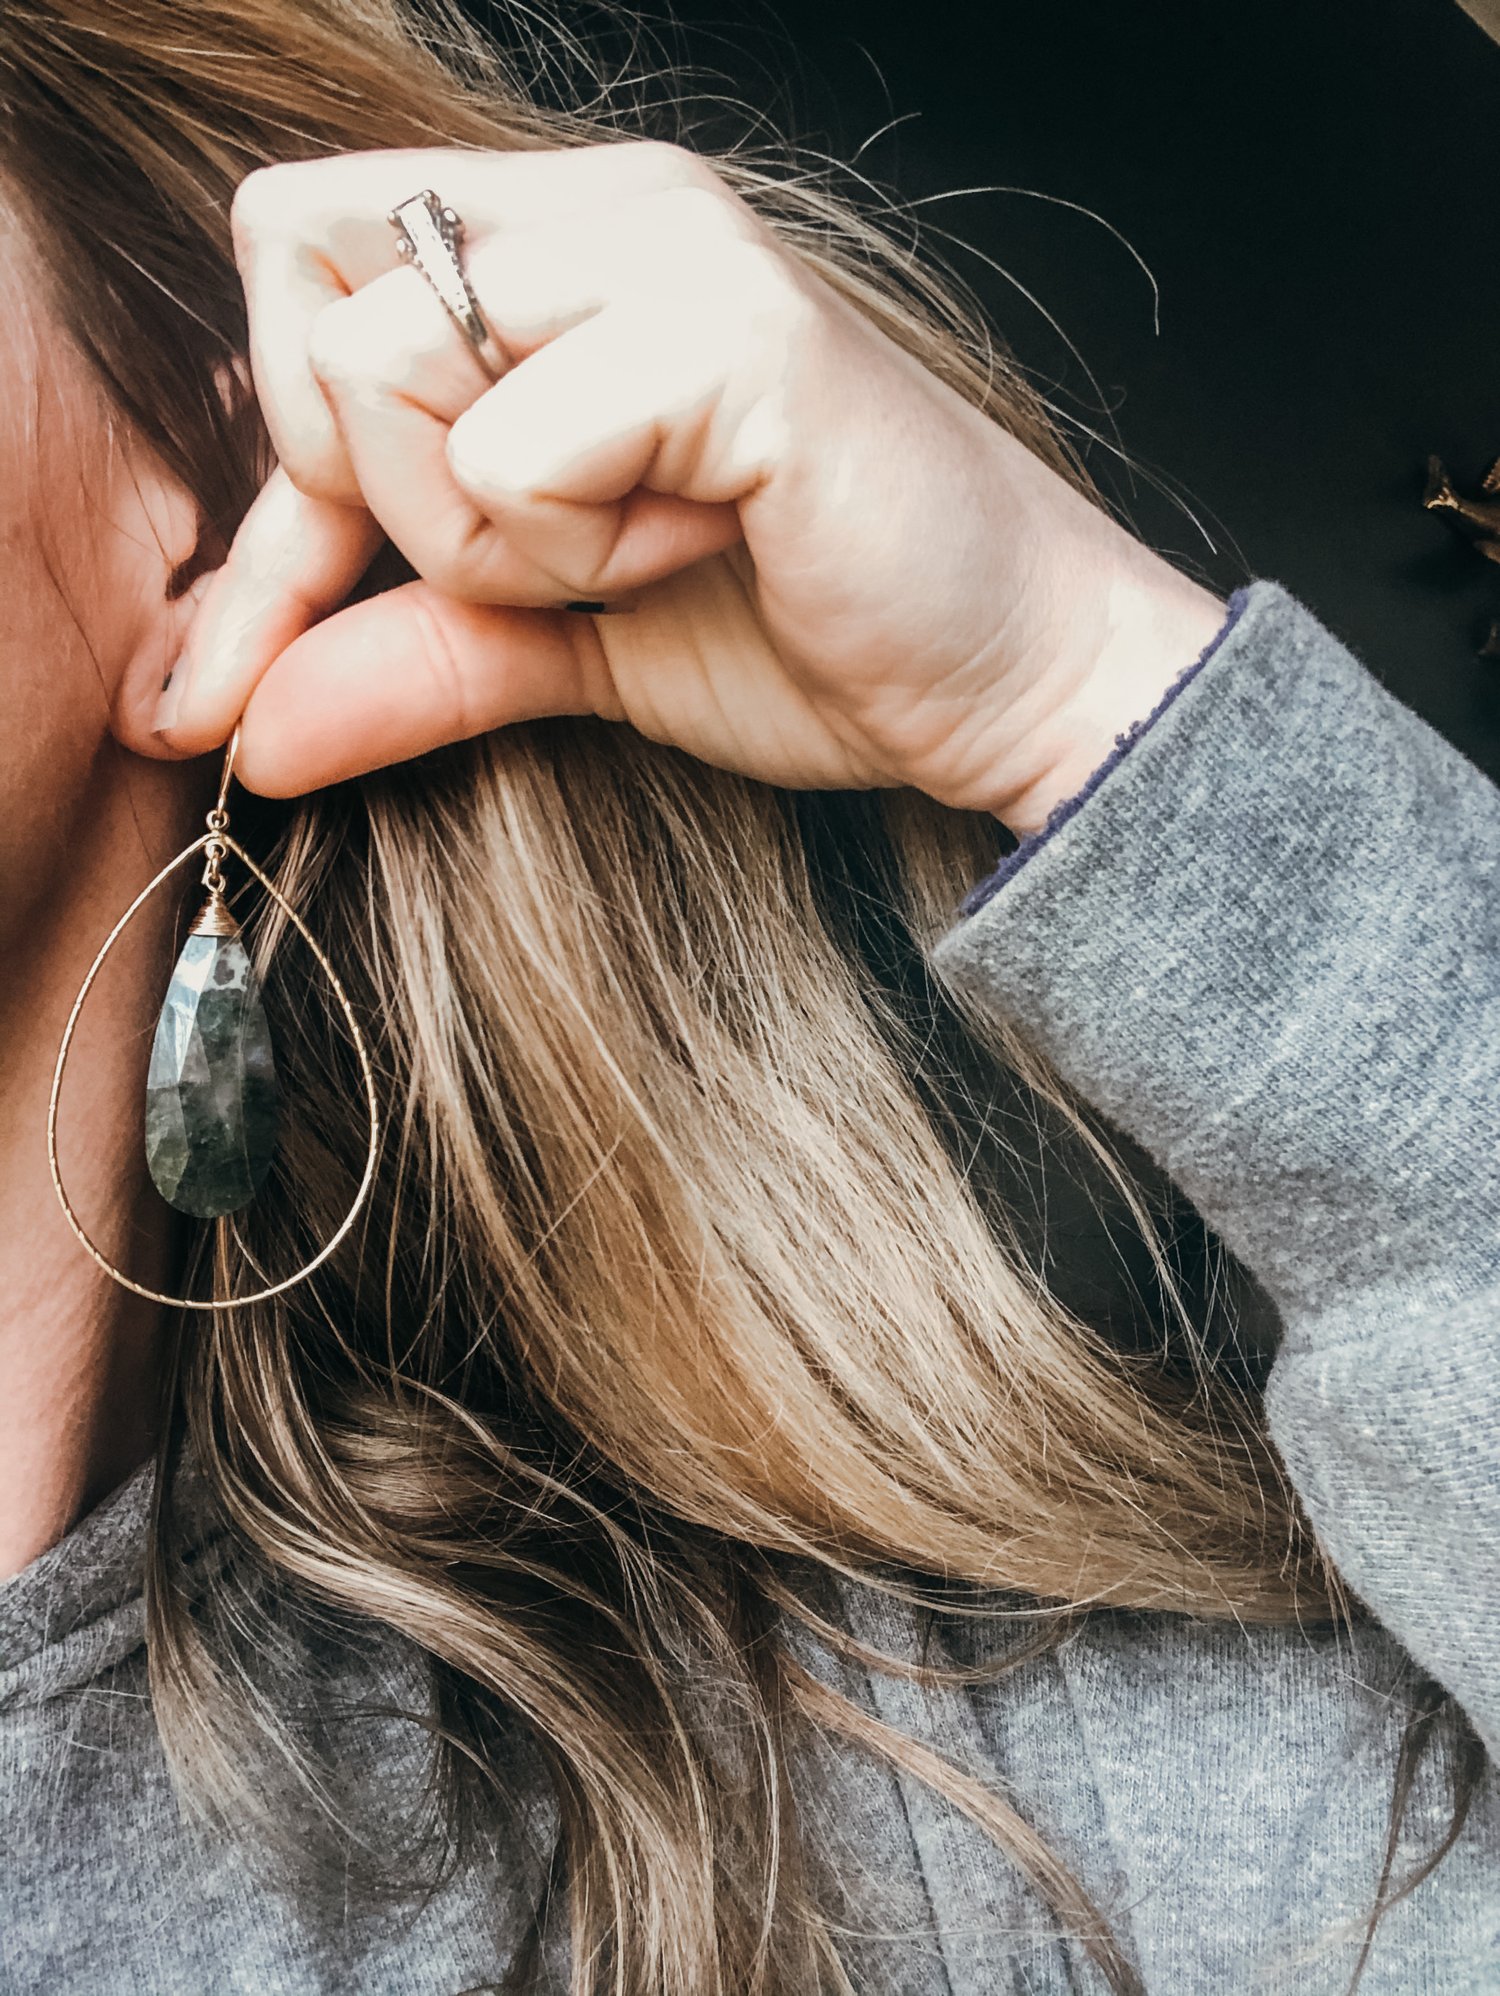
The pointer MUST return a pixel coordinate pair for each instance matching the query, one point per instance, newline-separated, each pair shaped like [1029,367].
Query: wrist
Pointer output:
[1153,623]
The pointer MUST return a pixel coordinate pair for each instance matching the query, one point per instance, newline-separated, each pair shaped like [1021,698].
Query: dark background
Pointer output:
[1314,185]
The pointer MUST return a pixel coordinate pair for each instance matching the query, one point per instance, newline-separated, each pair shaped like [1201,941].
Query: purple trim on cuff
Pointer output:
[975,899]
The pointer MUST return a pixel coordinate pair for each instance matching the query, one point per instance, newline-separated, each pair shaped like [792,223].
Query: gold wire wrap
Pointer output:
[217,836]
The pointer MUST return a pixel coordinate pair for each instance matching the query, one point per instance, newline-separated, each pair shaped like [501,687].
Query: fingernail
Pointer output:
[165,717]
[170,700]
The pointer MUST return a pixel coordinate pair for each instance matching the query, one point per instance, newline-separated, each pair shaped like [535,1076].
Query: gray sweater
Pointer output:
[1267,944]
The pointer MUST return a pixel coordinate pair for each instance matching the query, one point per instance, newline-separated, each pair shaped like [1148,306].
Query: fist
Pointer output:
[825,568]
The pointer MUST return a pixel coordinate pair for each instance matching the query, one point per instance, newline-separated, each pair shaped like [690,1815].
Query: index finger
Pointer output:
[294,560]
[308,232]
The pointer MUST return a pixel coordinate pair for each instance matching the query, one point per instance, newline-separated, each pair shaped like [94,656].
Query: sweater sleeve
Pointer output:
[1060,813]
[1268,947]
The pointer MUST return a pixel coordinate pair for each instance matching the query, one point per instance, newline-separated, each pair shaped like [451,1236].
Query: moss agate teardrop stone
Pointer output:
[211,1086]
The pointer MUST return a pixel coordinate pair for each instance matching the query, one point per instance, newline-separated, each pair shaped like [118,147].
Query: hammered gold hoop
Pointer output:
[217,836]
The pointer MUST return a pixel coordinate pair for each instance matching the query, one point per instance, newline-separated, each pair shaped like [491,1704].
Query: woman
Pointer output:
[676,1542]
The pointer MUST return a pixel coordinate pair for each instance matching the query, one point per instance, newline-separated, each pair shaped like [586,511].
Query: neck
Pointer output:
[79,1355]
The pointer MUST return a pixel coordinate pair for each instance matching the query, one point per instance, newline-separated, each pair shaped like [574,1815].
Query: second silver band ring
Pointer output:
[428,236]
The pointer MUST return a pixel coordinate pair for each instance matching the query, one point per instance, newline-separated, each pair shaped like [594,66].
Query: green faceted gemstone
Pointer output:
[211,1087]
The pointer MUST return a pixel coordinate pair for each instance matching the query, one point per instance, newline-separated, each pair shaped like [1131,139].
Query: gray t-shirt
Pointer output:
[1267,945]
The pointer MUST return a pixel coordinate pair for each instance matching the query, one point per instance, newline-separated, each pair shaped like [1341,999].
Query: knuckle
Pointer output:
[320,471]
[450,571]
[693,208]
[439,662]
[336,343]
[477,468]
[664,164]
[452,557]
[259,201]
[775,284]
[579,581]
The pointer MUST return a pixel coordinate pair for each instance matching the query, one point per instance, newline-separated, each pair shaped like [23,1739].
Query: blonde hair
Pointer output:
[687,1279]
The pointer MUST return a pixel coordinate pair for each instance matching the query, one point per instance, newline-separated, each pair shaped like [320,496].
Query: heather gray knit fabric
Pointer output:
[1267,945]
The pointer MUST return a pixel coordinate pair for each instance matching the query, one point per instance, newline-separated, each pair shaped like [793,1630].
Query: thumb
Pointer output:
[407,671]
[293,560]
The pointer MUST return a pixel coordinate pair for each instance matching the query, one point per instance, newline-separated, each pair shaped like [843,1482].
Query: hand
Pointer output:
[838,572]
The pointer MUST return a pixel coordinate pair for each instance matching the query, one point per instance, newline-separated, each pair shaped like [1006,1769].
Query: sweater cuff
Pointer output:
[1060,813]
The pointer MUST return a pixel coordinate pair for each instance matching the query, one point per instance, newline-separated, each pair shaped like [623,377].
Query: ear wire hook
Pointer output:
[231,751]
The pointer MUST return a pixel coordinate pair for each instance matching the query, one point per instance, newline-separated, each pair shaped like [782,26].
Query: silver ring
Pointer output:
[428,236]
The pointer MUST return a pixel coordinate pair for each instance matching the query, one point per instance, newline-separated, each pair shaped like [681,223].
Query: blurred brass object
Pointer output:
[1477,520]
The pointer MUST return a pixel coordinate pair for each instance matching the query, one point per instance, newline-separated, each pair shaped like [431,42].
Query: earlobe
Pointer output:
[163,564]
[153,675]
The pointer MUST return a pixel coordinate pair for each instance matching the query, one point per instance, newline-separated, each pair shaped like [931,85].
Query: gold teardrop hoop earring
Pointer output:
[211,1057]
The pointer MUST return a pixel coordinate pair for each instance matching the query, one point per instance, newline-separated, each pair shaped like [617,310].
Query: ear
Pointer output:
[165,518]
[167,565]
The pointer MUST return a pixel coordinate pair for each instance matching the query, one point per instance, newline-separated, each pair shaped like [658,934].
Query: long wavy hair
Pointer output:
[690,1278]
